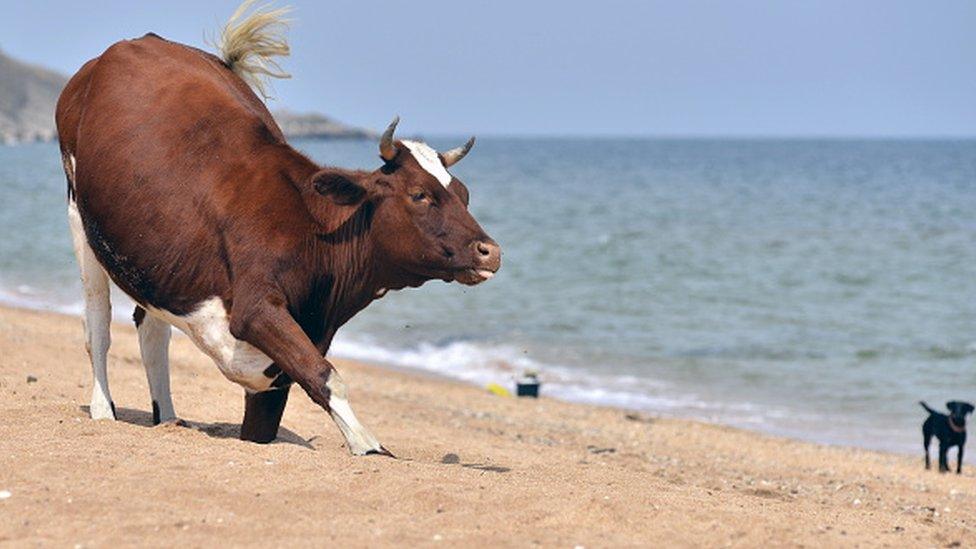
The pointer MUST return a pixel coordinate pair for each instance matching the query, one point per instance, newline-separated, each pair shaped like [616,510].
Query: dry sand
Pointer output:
[473,468]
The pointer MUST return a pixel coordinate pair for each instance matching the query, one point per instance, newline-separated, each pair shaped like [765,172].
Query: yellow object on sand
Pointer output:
[498,390]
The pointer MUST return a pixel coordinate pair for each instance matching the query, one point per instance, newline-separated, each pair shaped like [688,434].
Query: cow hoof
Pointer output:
[172,422]
[101,409]
[380,452]
[260,438]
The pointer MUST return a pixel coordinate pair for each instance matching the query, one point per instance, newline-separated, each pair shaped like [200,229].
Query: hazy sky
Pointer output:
[772,67]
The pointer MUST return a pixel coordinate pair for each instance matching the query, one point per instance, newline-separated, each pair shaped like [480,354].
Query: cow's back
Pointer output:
[165,141]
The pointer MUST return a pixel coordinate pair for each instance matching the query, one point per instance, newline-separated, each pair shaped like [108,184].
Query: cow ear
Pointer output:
[332,196]
[339,186]
[460,190]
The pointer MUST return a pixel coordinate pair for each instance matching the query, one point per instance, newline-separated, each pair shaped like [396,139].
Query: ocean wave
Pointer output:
[949,352]
[936,352]
[26,297]
[751,352]
[481,363]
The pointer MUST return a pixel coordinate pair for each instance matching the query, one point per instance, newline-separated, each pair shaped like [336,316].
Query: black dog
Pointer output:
[949,429]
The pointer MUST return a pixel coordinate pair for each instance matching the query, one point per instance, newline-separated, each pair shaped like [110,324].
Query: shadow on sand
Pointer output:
[453,459]
[142,418]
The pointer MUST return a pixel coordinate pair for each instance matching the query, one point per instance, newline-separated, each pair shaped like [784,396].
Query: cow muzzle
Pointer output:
[487,260]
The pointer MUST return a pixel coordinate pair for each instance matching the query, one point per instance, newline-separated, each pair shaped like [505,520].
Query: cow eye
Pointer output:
[418,196]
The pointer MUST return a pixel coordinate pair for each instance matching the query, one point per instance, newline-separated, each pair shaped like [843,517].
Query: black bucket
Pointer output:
[527,388]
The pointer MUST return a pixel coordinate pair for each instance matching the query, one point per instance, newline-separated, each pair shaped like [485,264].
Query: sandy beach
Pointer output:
[473,468]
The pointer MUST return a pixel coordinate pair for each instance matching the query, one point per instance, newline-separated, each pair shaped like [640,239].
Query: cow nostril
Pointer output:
[483,249]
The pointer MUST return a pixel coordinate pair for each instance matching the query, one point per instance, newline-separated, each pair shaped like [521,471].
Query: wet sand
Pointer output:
[473,468]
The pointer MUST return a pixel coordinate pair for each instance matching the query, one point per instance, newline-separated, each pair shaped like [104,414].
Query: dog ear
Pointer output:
[954,405]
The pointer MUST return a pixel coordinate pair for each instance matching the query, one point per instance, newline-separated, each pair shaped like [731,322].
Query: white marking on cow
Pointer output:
[358,438]
[98,314]
[429,160]
[209,328]
[154,335]
[69,168]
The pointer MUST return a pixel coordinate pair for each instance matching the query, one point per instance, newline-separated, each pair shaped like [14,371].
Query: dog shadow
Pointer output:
[143,418]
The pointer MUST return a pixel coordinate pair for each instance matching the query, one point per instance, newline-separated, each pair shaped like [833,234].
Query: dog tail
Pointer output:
[926,406]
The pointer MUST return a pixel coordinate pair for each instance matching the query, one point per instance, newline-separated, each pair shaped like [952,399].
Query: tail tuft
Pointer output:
[249,44]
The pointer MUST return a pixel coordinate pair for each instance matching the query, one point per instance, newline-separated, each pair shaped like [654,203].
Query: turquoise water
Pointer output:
[815,289]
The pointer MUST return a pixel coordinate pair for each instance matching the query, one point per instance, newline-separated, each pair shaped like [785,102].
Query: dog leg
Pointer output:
[926,441]
[959,461]
[943,458]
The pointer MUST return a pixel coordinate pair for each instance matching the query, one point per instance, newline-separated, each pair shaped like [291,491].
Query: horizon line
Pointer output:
[703,136]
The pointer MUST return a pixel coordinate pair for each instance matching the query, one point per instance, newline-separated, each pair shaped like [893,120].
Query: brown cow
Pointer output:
[183,191]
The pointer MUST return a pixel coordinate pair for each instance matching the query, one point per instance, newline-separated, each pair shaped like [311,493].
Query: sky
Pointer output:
[888,68]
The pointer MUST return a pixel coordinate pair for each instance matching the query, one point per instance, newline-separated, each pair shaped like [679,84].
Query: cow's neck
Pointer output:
[350,269]
[340,266]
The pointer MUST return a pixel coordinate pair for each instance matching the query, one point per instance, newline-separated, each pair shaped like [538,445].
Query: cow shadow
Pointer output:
[217,429]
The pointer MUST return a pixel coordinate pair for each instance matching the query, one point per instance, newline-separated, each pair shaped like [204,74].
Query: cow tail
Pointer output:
[248,45]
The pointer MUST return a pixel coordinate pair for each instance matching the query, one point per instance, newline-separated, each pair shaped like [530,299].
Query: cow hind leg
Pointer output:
[98,316]
[154,335]
[262,414]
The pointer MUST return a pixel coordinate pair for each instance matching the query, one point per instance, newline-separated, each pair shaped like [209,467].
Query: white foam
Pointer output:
[479,364]
[27,297]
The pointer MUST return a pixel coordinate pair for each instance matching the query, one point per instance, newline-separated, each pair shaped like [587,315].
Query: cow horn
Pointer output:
[453,156]
[387,148]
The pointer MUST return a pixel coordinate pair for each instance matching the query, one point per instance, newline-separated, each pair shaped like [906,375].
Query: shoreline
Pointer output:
[472,466]
[406,369]
[11,302]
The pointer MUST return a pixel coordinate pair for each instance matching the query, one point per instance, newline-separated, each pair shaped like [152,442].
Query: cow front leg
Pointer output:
[272,330]
[262,414]
[359,440]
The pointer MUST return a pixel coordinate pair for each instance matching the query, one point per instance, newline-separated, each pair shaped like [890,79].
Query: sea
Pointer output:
[809,288]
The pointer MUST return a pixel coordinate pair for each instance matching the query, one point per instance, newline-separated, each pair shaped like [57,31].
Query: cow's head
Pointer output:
[419,224]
